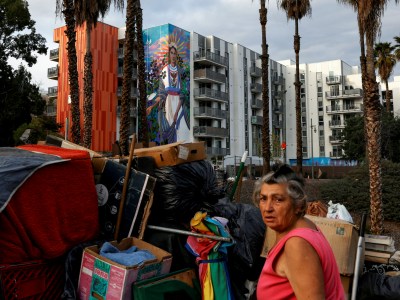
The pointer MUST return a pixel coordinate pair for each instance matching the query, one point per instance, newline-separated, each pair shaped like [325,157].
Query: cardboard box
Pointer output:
[347,283]
[101,278]
[174,154]
[341,235]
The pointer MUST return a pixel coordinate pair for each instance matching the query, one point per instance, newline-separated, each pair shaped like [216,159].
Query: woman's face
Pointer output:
[276,207]
[172,56]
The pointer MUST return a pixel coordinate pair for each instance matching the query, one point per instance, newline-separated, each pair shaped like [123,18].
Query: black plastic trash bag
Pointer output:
[374,286]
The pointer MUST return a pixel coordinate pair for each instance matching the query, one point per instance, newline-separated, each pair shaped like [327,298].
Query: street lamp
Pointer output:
[312,149]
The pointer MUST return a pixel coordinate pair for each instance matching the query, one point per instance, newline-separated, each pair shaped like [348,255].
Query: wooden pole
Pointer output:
[124,188]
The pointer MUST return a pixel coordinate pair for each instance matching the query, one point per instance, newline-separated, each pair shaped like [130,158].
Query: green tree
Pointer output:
[296,10]
[397,47]
[67,8]
[18,39]
[385,60]
[369,13]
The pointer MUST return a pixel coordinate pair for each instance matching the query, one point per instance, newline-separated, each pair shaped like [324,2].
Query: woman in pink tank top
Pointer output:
[301,264]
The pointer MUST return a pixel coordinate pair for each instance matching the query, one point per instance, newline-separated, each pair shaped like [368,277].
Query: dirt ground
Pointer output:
[390,228]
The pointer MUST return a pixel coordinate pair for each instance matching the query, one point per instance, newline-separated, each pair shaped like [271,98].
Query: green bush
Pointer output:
[353,190]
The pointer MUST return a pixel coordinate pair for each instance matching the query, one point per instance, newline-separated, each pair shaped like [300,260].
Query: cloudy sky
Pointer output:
[330,33]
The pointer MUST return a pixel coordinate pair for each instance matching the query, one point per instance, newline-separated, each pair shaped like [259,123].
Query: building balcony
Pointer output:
[255,71]
[209,112]
[335,139]
[209,76]
[257,120]
[353,93]
[278,109]
[52,92]
[208,131]
[54,54]
[208,58]
[336,124]
[334,79]
[207,94]
[121,53]
[52,73]
[51,110]
[256,103]
[134,92]
[278,80]
[133,111]
[335,154]
[277,124]
[215,151]
[343,109]
[121,72]
[256,87]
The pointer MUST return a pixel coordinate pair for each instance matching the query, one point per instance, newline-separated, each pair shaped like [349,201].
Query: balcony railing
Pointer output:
[52,91]
[210,94]
[52,73]
[335,123]
[345,109]
[255,71]
[256,103]
[256,87]
[335,138]
[257,120]
[210,131]
[133,112]
[51,110]
[209,112]
[54,54]
[353,93]
[216,151]
[121,72]
[277,124]
[209,75]
[210,58]
[134,92]
[333,79]
[121,53]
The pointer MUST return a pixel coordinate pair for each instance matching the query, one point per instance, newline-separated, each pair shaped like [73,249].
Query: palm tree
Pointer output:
[397,47]
[129,44]
[66,7]
[143,133]
[89,13]
[266,144]
[369,13]
[296,10]
[385,60]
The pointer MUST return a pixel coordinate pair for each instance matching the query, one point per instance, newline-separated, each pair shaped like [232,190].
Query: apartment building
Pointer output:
[220,89]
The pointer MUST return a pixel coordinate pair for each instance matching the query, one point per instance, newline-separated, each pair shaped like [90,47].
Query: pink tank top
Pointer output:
[272,286]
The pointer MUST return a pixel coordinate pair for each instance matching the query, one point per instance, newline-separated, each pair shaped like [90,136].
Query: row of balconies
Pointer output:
[353,93]
[344,108]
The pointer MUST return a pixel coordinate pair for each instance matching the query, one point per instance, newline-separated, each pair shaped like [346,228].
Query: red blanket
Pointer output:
[55,209]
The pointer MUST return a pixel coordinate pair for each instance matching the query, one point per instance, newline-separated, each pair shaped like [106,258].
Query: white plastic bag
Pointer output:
[338,211]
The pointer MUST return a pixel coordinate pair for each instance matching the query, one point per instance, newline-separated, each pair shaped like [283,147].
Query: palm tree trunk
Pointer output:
[143,130]
[127,77]
[373,128]
[88,92]
[299,142]
[72,69]
[387,97]
[266,144]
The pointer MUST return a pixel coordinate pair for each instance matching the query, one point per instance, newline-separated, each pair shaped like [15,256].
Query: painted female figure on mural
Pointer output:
[173,110]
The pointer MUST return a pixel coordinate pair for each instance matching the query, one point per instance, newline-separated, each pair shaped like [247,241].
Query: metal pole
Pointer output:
[172,230]
[312,152]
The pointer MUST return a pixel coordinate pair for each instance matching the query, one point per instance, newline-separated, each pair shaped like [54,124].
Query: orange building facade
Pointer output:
[104,49]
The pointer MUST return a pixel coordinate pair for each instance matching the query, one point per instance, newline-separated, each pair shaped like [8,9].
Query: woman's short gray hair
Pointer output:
[295,186]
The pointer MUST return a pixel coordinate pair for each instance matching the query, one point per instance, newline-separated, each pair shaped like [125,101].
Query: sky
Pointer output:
[330,33]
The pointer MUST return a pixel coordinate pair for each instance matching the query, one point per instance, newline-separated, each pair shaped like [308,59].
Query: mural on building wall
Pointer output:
[167,57]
